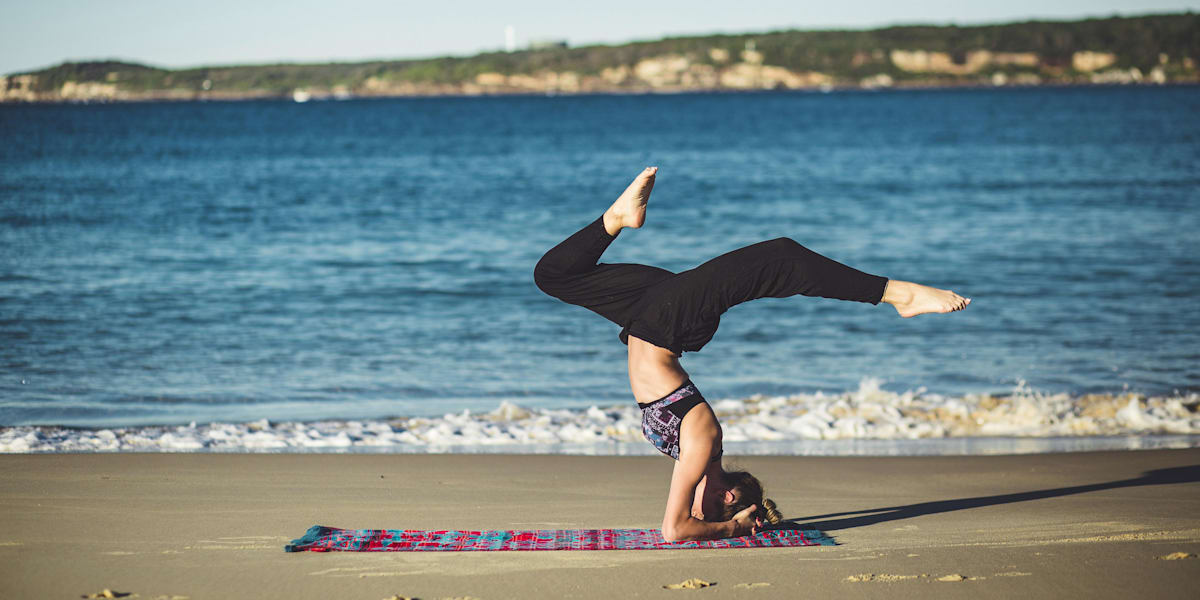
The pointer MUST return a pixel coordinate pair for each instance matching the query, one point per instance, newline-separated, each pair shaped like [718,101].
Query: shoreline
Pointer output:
[866,448]
[837,89]
[214,525]
[866,421]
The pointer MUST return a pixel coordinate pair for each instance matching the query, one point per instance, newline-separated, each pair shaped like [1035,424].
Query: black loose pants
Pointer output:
[681,311]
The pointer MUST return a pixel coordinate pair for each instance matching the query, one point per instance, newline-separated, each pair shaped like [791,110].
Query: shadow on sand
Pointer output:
[847,520]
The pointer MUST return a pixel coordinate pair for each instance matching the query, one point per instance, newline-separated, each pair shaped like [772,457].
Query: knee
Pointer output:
[785,245]
[545,276]
[788,248]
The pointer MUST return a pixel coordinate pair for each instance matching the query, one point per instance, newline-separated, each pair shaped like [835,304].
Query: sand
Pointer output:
[199,526]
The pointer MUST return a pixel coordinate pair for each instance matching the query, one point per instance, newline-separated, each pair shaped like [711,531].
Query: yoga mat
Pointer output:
[324,539]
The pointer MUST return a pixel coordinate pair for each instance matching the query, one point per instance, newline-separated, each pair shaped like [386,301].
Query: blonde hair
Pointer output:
[749,491]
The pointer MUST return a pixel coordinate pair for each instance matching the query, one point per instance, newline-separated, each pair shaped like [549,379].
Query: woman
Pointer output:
[664,314]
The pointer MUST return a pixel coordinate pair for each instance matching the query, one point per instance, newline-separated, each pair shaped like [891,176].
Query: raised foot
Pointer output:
[630,208]
[912,299]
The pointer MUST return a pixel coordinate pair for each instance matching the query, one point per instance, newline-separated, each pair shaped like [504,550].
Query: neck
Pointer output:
[715,473]
[712,486]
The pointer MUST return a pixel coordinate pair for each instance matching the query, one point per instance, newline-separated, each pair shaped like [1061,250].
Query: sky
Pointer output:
[173,33]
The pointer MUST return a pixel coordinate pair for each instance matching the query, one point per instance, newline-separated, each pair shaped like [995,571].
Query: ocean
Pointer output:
[357,275]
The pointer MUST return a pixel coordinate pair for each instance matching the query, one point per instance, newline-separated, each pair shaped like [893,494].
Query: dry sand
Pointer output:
[213,526]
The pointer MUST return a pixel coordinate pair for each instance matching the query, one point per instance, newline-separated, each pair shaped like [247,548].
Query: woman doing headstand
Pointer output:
[664,314]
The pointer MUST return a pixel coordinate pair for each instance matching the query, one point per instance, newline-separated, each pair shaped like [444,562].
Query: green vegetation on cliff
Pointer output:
[1039,51]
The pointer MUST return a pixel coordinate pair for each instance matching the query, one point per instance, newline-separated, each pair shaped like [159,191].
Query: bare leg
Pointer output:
[912,299]
[572,272]
[630,208]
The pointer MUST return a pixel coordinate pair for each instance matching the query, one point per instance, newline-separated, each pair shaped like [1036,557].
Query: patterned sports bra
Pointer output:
[661,419]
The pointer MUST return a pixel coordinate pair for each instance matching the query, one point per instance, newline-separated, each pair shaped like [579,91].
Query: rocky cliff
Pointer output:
[1153,49]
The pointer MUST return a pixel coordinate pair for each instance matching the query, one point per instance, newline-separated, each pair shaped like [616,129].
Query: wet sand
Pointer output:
[213,526]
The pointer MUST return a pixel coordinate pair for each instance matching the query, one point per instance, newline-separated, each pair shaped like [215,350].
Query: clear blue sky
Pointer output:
[174,33]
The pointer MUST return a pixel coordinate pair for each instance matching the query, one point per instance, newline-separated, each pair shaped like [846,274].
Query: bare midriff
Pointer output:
[654,371]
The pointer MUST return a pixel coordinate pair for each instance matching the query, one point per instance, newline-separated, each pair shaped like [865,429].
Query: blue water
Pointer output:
[164,263]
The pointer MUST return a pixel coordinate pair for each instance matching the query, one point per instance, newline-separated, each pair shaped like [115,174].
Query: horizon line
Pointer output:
[664,37]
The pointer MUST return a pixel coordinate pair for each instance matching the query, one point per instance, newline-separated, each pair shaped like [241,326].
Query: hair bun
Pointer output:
[772,514]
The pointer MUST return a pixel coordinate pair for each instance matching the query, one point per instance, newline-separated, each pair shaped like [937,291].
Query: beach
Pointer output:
[214,526]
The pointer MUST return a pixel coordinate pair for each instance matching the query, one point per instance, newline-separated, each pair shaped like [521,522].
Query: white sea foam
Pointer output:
[868,420]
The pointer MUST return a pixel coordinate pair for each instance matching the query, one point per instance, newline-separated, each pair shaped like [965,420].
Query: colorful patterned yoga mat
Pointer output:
[325,539]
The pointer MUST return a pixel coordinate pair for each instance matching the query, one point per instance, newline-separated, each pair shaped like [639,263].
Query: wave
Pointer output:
[757,425]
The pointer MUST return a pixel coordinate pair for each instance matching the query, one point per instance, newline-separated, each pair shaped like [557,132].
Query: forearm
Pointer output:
[695,529]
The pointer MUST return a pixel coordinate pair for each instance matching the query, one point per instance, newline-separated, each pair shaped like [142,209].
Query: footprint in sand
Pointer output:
[107,593]
[884,577]
[399,597]
[691,584]
[889,578]
[952,577]
[752,586]
[1176,556]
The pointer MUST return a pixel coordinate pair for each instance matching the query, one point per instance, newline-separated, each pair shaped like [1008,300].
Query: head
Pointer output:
[737,491]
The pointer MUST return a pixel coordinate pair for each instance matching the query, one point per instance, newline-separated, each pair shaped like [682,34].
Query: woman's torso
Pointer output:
[677,416]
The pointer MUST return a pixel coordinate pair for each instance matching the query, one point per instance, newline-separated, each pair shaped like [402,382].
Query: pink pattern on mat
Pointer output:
[324,539]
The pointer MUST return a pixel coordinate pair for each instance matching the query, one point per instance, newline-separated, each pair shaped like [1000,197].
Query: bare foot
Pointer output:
[912,299]
[630,208]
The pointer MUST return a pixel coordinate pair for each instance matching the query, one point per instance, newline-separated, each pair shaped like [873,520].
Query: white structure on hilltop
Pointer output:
[510,38]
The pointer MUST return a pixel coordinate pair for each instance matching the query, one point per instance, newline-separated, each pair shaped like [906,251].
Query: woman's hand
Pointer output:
[745,523]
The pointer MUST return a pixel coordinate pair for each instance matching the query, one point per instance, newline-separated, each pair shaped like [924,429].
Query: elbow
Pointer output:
[670,532]
[674,532]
